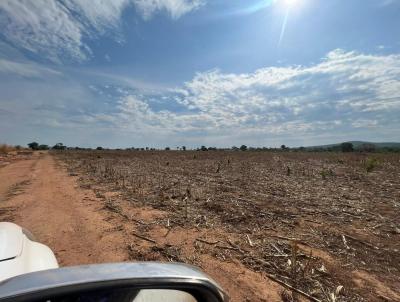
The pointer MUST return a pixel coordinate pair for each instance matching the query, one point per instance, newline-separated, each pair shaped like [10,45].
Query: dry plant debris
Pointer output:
[309,221]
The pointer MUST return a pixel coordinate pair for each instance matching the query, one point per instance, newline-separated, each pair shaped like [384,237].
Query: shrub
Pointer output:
[243,148]
[325,173]
[4,149]
[370,164]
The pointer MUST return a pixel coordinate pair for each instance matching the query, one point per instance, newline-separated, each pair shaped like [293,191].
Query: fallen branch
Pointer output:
[145,238]
[130,217]
[345,242]
[229,248]
[249,240]
[236,247]
[273,278]
[207,242]
[167,233]
[286,238]
[363,242]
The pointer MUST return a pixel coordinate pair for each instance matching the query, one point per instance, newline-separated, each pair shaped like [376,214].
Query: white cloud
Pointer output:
[26,69]
[42,27]
[56,29]
[364,123]
[347,95]
[176,8]
[343,90]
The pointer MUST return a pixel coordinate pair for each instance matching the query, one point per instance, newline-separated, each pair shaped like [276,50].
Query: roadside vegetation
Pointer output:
[4,149]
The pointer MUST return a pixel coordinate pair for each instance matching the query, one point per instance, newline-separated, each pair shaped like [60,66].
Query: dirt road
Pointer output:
[49,204]
[41,196]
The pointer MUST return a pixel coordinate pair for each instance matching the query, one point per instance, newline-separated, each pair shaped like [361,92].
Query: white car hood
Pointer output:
[11,240]
[19,255]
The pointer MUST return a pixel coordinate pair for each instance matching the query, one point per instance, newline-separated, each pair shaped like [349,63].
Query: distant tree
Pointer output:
[59,146]
[33,145]
[243,148]
[234,148]
[99,148]
[43,147]
[367,148]
[347,147]
[167,148]
[183,148]
[283,147]
[203,148]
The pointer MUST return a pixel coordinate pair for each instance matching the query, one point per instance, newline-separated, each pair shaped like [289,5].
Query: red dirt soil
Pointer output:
[39,195]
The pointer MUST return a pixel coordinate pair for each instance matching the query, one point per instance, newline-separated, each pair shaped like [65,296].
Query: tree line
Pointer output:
[37,146]
[344,147]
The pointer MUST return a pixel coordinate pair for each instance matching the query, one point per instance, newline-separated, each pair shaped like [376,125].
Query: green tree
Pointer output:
[347,147]
[33,145]
[243,148]
[59,146]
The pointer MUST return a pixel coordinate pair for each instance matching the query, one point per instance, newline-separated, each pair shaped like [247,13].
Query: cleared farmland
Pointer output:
[325,224]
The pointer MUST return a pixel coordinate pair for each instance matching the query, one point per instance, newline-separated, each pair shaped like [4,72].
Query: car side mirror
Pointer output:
[121,282]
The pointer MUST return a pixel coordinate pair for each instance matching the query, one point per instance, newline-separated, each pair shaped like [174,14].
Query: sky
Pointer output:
[156,73]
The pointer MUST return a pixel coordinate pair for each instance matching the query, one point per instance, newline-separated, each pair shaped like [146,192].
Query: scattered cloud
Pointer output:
[345,94]
[346,89]
[56,30]
[26,69]
[175,8]
[364,123]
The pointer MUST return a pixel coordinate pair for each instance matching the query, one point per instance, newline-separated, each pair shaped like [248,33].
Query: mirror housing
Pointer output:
[148,275]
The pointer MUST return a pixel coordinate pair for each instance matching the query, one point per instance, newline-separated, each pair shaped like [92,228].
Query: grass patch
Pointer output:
[370,164]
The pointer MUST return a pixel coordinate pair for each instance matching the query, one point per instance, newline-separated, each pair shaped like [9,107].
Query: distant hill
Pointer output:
[359,145]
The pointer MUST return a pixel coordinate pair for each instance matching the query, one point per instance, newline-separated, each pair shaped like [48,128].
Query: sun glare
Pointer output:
[291,2]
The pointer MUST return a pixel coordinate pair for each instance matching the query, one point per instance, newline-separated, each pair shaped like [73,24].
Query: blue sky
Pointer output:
[219,73]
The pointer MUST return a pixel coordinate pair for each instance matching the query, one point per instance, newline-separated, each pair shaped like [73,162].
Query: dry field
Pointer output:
[322,225]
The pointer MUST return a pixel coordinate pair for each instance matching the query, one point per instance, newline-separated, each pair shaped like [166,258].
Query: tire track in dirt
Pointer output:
[15,176]
[59,214]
